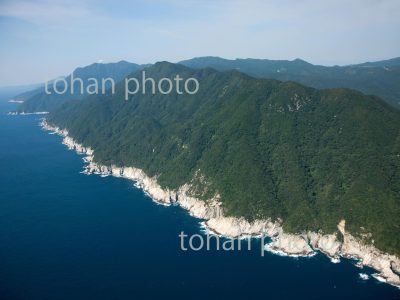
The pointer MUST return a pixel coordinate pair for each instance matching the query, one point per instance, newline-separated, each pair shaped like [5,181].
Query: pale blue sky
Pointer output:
[44,39]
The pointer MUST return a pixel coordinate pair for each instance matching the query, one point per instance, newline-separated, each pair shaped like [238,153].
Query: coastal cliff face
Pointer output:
[293,245]
[370,256]
[327,244]
[305,244]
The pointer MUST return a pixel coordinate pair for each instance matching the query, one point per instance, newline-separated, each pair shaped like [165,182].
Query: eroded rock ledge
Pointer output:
[305,244]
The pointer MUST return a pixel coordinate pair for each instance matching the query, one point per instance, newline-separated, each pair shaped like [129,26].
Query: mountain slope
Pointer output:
[378,78]
[38,100]
[268,148]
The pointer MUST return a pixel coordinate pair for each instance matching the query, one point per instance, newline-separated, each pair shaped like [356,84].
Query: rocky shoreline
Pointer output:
[305,244]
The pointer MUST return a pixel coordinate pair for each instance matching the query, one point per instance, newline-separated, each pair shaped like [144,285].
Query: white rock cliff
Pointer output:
[304,244]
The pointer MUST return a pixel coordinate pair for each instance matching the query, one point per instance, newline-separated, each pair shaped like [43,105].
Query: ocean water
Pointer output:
[66,235]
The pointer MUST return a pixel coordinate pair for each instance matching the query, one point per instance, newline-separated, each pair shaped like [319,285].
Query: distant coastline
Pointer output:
[15,113]
[15,101]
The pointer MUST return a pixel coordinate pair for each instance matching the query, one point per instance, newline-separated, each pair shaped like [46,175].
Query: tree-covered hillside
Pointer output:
[269,148]
[381,78]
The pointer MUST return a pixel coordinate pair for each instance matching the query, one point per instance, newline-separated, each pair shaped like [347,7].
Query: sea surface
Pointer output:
[66,235]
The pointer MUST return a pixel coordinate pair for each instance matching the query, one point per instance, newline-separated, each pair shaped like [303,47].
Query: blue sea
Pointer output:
[66,235]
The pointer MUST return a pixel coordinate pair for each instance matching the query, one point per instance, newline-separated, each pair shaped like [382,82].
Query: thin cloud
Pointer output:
[43,12]
[64,34]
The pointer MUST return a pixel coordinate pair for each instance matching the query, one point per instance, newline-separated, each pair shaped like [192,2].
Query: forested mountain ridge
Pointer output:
[38,100]
[381,78]
[269,148]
